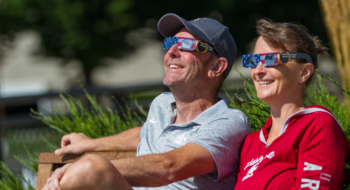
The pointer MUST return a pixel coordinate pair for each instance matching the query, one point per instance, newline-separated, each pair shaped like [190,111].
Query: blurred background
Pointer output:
[113,48]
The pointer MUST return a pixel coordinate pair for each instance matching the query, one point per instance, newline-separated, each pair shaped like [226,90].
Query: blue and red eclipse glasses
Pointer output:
[272,59]
[188,44]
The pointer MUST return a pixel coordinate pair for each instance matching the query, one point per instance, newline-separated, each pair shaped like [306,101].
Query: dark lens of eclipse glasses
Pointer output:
[284,57]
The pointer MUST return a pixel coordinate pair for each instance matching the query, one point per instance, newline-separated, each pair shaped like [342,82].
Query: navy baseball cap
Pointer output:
[205,29]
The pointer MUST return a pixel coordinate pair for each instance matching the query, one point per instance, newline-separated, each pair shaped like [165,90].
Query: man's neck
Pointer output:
[191,103]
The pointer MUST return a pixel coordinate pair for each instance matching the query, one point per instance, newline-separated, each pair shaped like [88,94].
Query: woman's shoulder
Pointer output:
[321,117]
[318,107]
[321,113]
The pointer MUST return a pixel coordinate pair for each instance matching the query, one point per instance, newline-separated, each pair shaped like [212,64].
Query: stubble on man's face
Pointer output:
[183,67]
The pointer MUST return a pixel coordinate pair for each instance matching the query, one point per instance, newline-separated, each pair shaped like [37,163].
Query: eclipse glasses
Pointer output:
[272,59]
[188,44]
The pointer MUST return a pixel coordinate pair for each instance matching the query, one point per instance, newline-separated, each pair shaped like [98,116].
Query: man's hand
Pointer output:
[75,143]
[54,181]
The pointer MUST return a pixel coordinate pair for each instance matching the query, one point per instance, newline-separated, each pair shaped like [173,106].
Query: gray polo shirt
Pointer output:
[219,129]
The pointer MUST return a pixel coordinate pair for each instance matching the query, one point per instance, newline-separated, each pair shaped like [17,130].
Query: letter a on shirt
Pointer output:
[311,167]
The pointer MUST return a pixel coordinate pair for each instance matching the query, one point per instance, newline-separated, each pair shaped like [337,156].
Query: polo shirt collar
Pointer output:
[203,117]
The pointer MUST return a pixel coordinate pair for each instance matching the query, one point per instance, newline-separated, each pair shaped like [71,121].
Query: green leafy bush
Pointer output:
[96,121]
[8,181]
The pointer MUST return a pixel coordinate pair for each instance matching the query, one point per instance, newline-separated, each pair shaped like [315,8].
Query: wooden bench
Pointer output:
[49,162]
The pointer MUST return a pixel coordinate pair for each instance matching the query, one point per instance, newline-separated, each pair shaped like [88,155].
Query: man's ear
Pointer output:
[306,72]
[219,66]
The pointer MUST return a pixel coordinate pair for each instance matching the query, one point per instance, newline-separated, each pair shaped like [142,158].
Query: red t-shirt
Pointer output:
[309,154]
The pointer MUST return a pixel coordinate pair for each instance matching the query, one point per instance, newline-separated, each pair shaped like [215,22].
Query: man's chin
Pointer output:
[169,83]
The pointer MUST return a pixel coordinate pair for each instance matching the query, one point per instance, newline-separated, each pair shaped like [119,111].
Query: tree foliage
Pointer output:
[89,31]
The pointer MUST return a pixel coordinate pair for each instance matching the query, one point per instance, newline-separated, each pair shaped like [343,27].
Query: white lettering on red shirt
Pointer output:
[311,167]
[325,176]
[255,163]
[311,184]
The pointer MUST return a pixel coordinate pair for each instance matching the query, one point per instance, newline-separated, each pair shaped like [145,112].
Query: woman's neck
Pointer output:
[280,113]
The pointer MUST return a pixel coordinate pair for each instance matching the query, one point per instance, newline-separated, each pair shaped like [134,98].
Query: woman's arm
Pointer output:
[322,154]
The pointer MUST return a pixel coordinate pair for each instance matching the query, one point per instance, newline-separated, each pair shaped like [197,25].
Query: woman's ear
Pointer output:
[306,72]
[219,66]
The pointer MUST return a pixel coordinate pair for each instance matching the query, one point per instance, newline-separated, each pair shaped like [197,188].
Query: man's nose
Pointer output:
[174,51]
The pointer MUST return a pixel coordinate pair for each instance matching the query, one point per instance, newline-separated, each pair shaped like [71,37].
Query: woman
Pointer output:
[298,147]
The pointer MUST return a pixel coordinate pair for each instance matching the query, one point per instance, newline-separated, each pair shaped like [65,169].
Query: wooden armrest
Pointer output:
[49,162]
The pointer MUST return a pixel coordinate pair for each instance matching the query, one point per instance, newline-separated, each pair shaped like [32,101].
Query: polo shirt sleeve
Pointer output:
[322,153]
[223,138]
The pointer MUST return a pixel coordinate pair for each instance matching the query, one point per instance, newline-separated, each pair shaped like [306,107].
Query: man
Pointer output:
[191,139]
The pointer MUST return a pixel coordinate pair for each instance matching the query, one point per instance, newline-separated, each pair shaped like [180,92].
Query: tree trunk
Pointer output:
[1,106]
[336,16]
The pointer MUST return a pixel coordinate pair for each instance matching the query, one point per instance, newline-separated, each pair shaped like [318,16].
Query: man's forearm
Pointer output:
[162,169]
[146,171]
[127,141]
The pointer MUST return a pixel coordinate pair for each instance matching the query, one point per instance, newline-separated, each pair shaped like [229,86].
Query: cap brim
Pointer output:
[170,24]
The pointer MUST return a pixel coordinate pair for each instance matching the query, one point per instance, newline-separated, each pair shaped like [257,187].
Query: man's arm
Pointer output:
[76,143]
[162,169]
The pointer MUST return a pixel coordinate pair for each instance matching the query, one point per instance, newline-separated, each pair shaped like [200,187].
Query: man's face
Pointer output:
[183,67]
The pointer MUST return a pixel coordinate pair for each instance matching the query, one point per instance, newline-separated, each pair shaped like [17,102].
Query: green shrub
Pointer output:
[96,121]
[10,182]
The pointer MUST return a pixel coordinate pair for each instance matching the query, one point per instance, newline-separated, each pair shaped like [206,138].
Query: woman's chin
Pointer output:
[264,97]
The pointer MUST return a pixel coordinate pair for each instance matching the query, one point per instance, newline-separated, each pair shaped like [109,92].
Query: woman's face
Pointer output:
[277,84]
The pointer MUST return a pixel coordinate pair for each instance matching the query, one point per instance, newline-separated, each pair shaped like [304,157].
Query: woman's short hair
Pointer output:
[291,37]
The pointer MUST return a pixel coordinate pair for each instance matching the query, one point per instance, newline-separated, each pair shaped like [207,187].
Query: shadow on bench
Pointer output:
[49,162]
